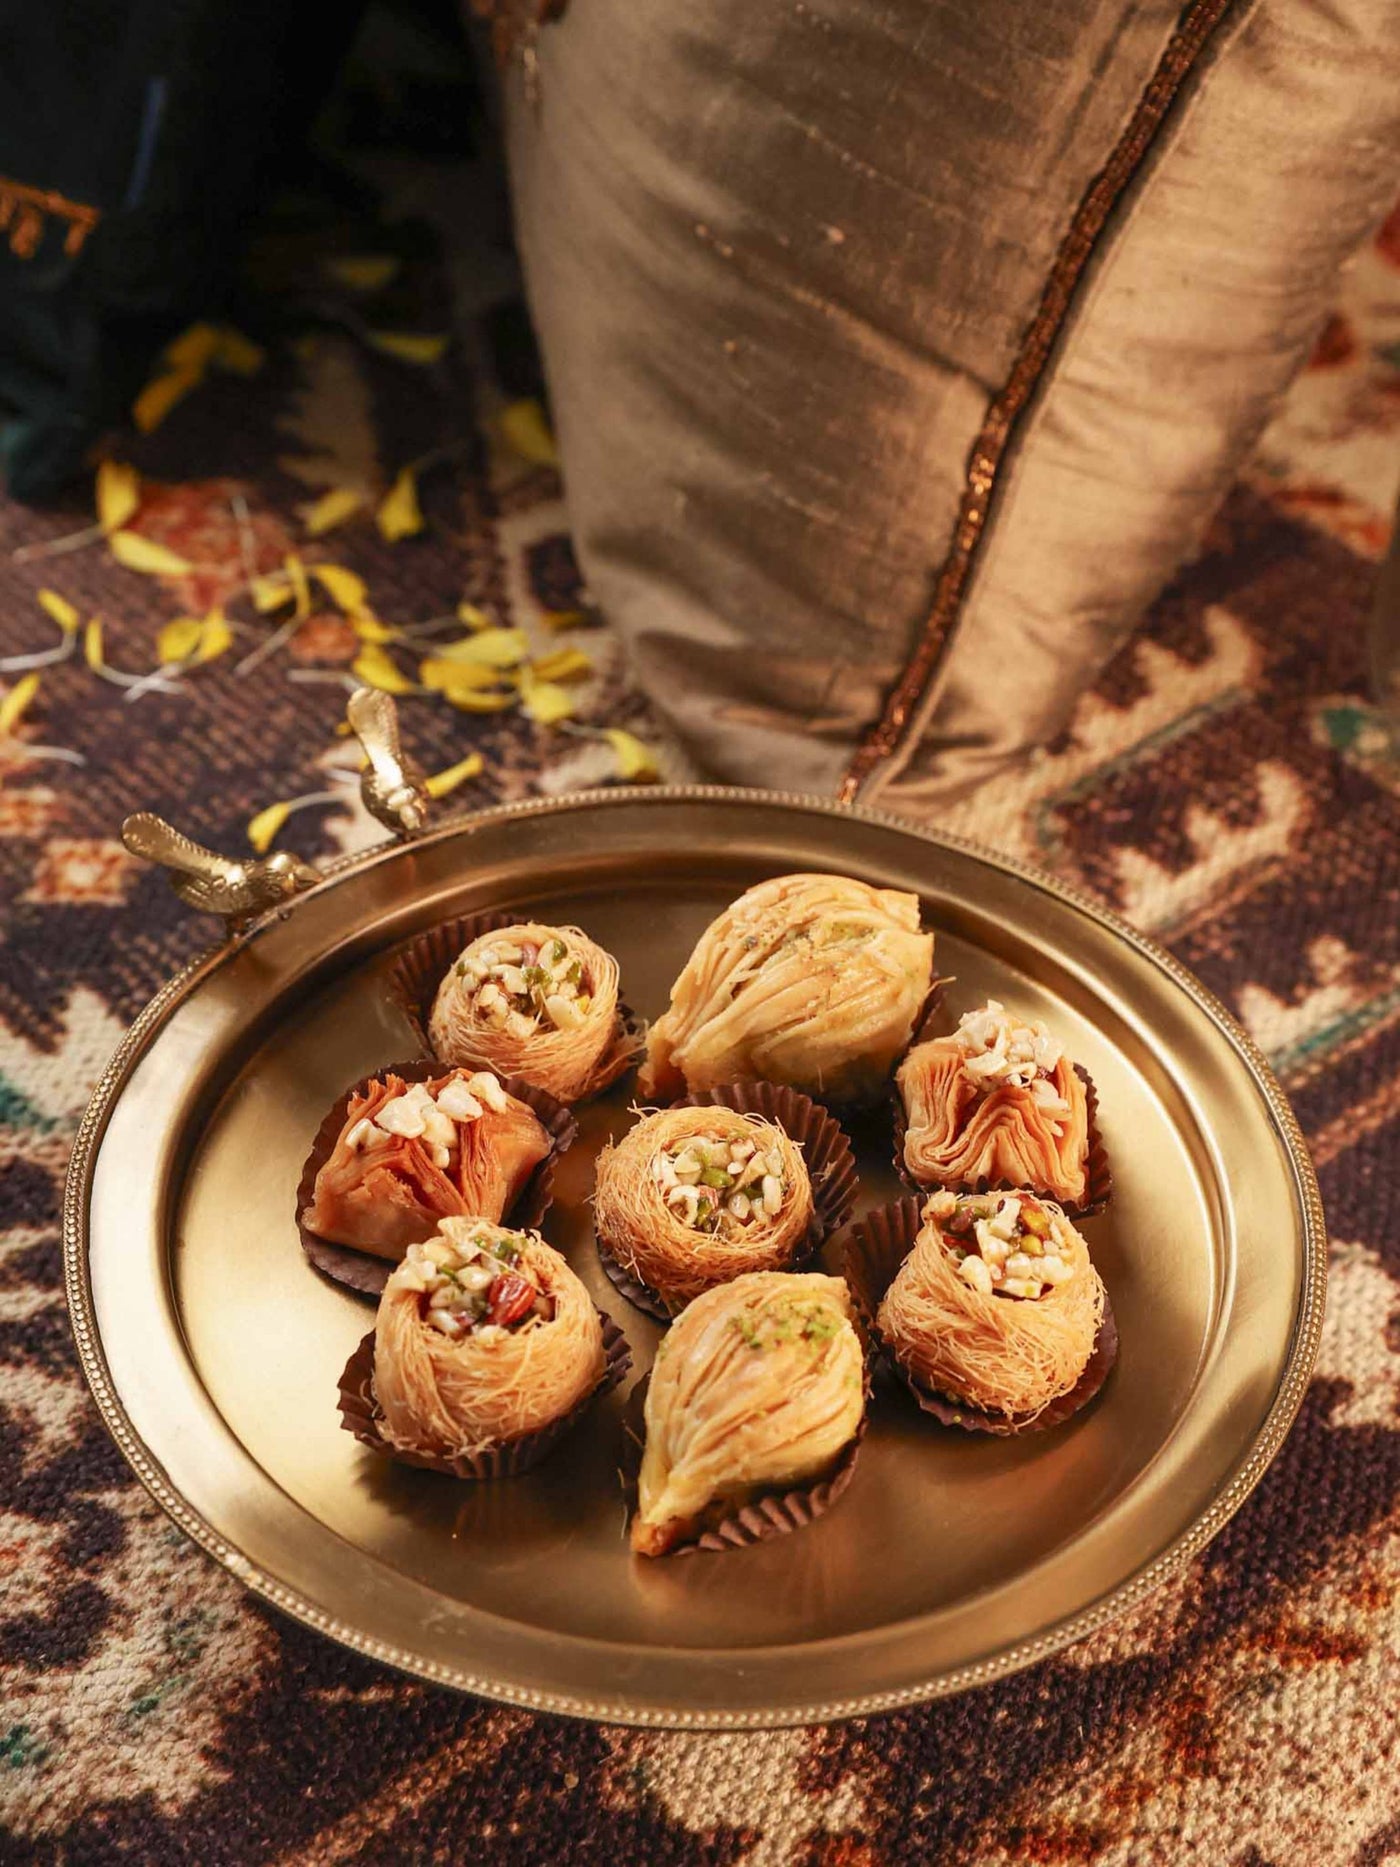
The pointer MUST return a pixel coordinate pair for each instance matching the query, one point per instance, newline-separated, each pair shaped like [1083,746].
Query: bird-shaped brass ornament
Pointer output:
[392,785]
[214,884]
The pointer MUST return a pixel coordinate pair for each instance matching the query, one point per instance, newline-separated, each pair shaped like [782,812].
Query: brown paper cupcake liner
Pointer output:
[772,1514]
[421,966]
[359,1415]
[1098,1174]
[362,1271]
[826,1153]
[929,1014]
[873,1248]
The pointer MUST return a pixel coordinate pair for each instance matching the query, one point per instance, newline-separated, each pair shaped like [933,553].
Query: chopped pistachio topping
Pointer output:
[720,1186]
[470,1282]
[1002,1243]
[524,986]
[998,1048]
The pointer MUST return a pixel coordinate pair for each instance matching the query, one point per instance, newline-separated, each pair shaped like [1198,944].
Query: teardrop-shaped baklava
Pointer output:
[812,980]
[759,1386]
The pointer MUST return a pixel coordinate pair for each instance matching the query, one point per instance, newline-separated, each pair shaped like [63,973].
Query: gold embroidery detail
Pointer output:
[23,210]
[1183,52]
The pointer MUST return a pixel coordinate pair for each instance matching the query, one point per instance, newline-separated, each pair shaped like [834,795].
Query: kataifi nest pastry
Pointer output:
[746,1177]
[486,1348]
[987,1305]
[519,998]
[816,981]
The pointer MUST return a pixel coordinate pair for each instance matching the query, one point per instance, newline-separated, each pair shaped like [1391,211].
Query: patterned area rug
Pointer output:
[1227,785]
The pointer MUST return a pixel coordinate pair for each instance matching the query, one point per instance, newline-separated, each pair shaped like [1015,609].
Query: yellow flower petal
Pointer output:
[370,629]
[118,493]
[467,685]
[193,349]
[296,577]
[344,588]
[92,644]
[486,700]
[13,706]
[263,827]
[526,432]
[270,592]
[376,667]
[473,618]
[563,618]
[332,509]
[215,637]
[178,640]
[565,664]
[489,648]
[409,346]
[635,761]
[448,677]
[59,610]
[233,351]
[545,701]
[400,516]
[144,554]
[160,395]
[362,272]
[444,782]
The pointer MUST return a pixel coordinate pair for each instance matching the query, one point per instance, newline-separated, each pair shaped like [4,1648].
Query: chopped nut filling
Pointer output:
[521,987]
[999,1048]
[1002,1243]
[472,1284]
[720,1186]
[417,1115]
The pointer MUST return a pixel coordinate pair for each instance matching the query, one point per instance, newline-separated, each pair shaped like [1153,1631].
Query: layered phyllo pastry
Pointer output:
[408,1155]
[692,1197]
[812,980]
[484,1338]
[997,1306]
[758,1389]
[536,1002]
[997,1103]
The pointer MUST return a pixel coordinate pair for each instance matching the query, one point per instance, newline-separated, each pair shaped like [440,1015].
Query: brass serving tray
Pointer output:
[213,1348]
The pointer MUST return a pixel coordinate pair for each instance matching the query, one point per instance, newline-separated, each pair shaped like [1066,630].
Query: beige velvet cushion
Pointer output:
[783,259]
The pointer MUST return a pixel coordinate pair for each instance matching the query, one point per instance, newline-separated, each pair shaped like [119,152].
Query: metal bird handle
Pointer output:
[392,785]
[236,890]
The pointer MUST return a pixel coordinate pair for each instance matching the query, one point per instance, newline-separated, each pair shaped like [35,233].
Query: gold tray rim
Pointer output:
[1293,1382]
